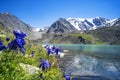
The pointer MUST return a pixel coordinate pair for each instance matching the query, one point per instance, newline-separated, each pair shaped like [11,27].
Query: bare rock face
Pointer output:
[62,26]
[10,22]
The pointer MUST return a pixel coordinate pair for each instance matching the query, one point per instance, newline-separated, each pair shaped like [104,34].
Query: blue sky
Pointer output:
[41,13]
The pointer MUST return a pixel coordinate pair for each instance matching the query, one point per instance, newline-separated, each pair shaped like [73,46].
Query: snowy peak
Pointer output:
[90,23]
[71,25]
[61,26]
[98,21]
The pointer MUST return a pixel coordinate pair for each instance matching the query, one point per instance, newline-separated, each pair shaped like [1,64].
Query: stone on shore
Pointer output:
[30,69]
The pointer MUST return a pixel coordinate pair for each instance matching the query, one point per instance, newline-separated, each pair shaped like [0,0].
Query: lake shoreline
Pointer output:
[81,74]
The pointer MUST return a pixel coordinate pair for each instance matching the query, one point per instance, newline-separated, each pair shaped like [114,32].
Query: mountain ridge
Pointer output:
[93,23]
[10,22]
[81,24]
[61,26]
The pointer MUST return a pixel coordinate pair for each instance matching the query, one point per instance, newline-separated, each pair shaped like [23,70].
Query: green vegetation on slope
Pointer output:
[74,38]
[10,68]
[110,35]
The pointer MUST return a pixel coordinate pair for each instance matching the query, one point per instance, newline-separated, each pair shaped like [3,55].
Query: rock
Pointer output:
[61,55]
[30,69]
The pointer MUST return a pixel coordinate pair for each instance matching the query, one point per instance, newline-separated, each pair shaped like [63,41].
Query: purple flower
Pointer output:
[19,34]
[1,43]
[23,35]
[19,42]
[16,33]
[41,60]
[52,51]
[44,64]
[33,53]
[7,39]
[12,45]
[67,77]
[57,50]
[53,48]
[23,42]
[48,51]
[41,75]
[2,47]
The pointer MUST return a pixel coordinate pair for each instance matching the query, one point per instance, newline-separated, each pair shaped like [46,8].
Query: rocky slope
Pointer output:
[12,22]
[9,22]
[72,25]
[90,23]
[110,34]
[62,26]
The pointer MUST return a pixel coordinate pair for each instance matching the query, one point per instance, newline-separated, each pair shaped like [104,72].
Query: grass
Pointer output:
[10,68]
[73,39]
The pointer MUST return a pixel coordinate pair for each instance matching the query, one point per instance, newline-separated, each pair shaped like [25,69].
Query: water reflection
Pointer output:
[103,61]
[83,65]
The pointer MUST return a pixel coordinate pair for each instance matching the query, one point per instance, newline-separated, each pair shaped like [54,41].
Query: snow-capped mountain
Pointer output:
[80,24]
[62,26]
[90,23]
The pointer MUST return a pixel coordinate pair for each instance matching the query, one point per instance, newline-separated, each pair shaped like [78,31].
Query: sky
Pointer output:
[42,13]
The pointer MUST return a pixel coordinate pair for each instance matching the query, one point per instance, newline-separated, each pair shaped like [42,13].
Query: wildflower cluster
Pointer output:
[18,42]
[32,56]
[53,49]
[44,64]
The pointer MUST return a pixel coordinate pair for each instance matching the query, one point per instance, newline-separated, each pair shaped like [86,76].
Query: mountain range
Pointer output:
[104,29]
[62,26]
[9,22]
[12,22]
[80,24]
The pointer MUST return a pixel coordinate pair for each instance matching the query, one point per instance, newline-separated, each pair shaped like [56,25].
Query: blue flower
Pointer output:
[48,51]
[23,35]
[16,33]
[7,39]
[57,50]
[19,34]
[2,47]
[66,77]
[12,45]
[1,43]
[33,53]
[41,75]
[53,47]
[41,60]
[44,64]
[19,42]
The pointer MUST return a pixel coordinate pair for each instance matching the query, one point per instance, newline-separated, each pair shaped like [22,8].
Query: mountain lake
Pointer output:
[90,62]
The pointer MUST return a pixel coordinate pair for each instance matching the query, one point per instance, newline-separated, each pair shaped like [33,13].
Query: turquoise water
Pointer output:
[102,61]
[110,49]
